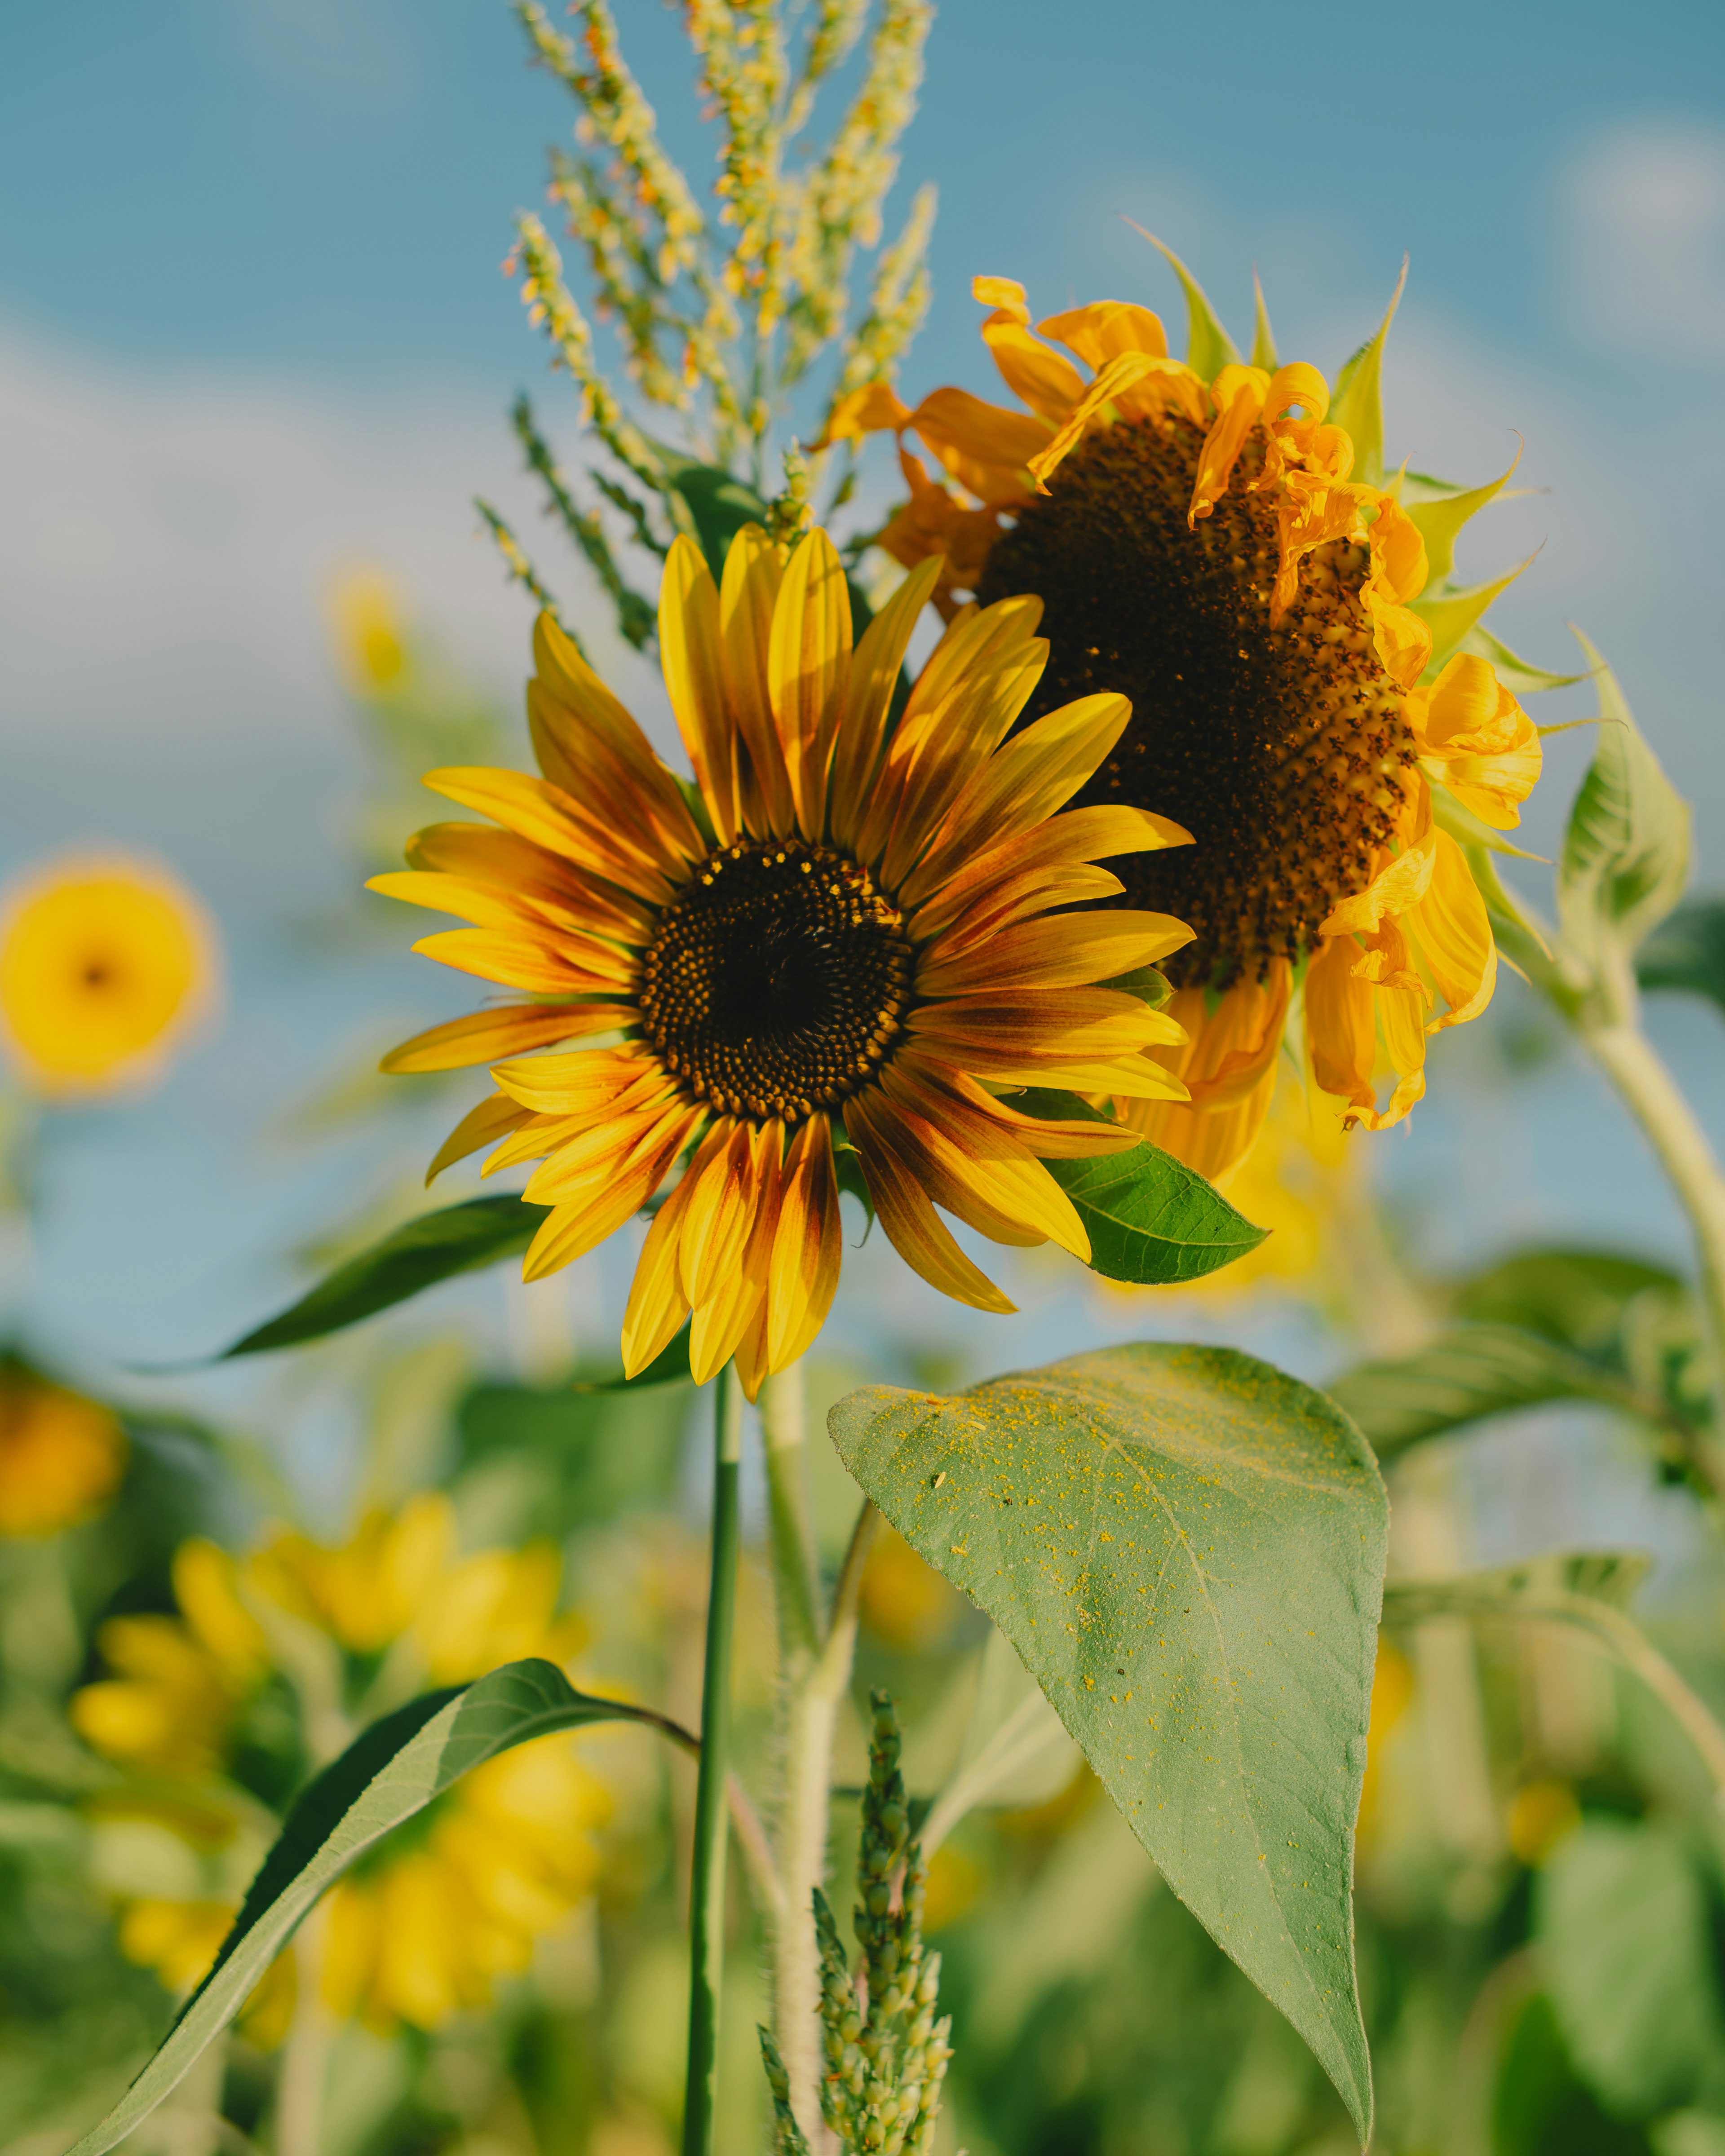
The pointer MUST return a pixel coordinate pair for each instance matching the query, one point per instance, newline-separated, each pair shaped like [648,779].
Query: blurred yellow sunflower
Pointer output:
[1216,540]
[61,1456]
[845,928]
[106,964]
[427,1922]
[367,618]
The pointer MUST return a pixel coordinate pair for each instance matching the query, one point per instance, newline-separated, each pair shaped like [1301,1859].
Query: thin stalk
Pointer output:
[1628,1059]
[707,1890]
[811,1712]
[795,1571]
[305,2060]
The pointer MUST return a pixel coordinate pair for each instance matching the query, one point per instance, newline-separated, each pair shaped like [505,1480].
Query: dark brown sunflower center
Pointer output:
[778,979]
[1276,748]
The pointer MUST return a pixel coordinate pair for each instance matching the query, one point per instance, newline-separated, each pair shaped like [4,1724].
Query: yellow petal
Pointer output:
[689,654]
[809,671]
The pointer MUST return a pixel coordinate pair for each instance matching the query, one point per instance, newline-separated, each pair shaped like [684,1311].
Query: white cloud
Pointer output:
[165,542]
[1643,253]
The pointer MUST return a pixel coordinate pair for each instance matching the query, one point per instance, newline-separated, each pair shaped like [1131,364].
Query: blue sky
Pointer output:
[252,326]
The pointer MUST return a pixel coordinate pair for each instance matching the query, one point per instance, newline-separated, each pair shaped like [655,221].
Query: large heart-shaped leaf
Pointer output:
[1186,1547]
[461,1239]
[392,1771]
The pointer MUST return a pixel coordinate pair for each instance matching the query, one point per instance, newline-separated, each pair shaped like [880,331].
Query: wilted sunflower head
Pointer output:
[1217,541]
[848,931]
[106,963]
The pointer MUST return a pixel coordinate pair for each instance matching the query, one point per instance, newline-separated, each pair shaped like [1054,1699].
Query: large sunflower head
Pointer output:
[1217,541]
[847,932]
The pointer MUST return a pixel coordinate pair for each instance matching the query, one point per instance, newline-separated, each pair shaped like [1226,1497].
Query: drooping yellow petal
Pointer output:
[1105,328]
[485,1035]
[1049,384]
[912,1226]
[1451,931]
[802,1272]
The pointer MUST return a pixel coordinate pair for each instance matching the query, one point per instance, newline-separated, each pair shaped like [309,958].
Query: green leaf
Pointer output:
[1358,402]
[386,1774]
[1540,1588]
[1148,984]
[1687,951]
[1625,856]
[1620,1914]
[719,507]
[1575,1296]
[1452,616]
[1186,1547]
[1209,346]
[1516,675]
[1150,1218]
[1263,336]
[435,1247]
[1464,1376]
[1440,511]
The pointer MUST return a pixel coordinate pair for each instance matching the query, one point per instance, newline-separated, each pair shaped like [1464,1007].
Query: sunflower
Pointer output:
[61,1456]
[1215,540]
[106,964]
[845,933]
[199,1706]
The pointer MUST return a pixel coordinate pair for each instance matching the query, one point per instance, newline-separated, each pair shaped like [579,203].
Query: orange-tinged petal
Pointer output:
[657,1305]
[874,676]
[1004,294]
[1341,1022]
[1399,545]
[1238,392]
[1079,835]
[723,1316]
[809,671]
[1049,384]
[1048,1140]
[1064,950]
[581,1222]
[554,888]
[912,1226]
[483,1036]
[873,409]
[593,1147]
[984,446]
[494,1118]
[1230,1048]
[802,1272]
[536,809]
[1105,328]
[530,961]
[720,1211]
[449,893]
[1212,1140]
[754,569]
[976,1168]
[689,654]
[564,1084]
[1452,932]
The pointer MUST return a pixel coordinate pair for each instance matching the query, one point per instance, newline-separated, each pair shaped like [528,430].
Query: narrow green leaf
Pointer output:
[1452,615]
[435,1247]
[392,1771]
[1516,675]
[1186,1547]
[1539,1587]
[1578,1297]
[1467,1374]
[1358,402]
[1687,951]
[1263,337]
[1620,1913]
[1209,346]
[1440,517]
[1625,856]
[1151,1220]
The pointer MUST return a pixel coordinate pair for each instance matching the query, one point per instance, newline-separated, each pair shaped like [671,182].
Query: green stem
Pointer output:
[706,1892]
[1648,1090]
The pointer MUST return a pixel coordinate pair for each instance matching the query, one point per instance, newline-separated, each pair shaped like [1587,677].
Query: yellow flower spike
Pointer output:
[881,930]
[108,964]
[1215,541]
[61,1457]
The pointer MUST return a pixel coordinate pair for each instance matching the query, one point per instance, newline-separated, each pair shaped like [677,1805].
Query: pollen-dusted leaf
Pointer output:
[1150,1218]
[461,1239]
[1625,856]
[393,1770]
[1186,1547]
[1464,1376]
